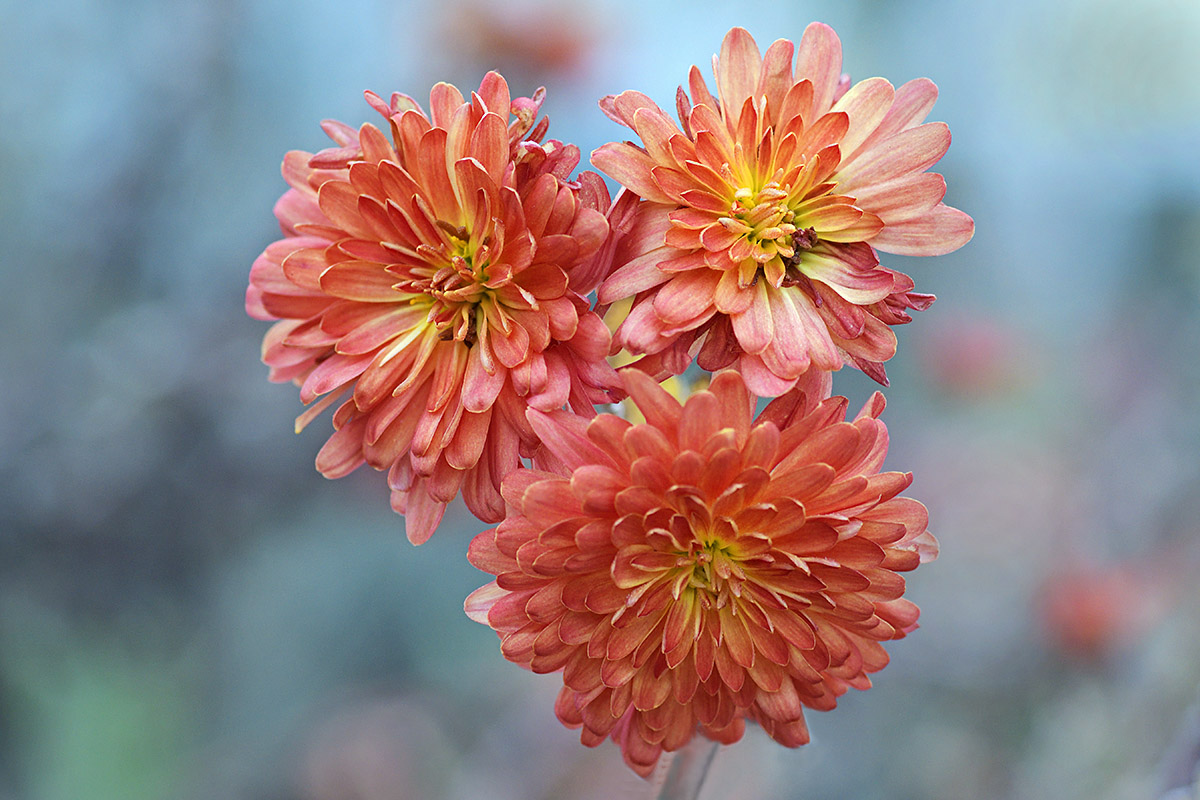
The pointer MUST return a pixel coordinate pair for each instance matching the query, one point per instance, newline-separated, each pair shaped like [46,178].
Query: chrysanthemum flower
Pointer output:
[764,211]
[705,567]
[434,281]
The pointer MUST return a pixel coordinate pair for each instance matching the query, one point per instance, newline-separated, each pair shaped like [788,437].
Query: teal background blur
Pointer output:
[188,610]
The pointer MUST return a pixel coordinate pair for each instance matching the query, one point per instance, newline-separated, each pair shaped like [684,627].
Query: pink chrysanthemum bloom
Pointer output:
[757,241]
[705,567]
[434,281]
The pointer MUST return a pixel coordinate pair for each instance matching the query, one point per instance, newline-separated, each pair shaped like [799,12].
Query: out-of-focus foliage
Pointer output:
[188,611]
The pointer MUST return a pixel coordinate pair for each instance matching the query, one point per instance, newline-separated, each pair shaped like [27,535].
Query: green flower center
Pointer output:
[458,286]
[715,572]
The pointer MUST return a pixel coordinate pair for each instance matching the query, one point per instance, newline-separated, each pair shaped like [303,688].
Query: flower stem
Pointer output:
[688,768]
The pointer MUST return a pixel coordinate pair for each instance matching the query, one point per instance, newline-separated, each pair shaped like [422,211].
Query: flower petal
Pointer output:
[943,230]
[819,60]
[737,68]
[630,167]
[753,326]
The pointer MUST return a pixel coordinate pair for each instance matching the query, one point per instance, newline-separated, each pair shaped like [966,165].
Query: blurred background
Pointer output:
[188,610]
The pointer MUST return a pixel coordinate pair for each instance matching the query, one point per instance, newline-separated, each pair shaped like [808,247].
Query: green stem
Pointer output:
[688,768]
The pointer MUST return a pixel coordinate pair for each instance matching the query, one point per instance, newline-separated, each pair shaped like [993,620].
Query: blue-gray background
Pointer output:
[187,610]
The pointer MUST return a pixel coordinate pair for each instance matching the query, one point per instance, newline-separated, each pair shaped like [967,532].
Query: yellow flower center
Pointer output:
[711,570]
[772,238]
[457,285]
[764,219]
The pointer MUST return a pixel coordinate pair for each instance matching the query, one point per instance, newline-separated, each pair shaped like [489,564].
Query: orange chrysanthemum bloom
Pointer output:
[435,282]
[757,241]
[704,567]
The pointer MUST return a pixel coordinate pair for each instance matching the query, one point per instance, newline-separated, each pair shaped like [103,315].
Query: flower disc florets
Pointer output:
[434,280]
[704,567]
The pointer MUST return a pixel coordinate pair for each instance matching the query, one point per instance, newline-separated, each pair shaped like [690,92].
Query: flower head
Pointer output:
[433,281]
[704,567]
[765,208]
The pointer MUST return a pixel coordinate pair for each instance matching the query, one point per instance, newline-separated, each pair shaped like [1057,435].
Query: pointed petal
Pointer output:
[364,281]
[480,602]
[904,198]
[913,150]
[866,104]
[753,326]
[819,59]
[687,296]
[942,230]
[776,77]
[629,166]
[635,276]
[737,70]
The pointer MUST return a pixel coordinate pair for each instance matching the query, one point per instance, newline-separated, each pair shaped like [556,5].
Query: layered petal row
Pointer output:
[431,283]
[764,209]
[705,567]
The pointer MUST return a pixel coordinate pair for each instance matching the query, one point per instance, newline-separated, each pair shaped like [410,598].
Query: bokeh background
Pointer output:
[187,610]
